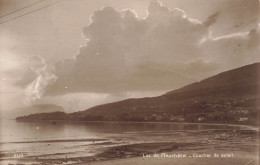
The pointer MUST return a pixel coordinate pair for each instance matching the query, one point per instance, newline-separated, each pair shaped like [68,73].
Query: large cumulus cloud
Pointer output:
[126,53]
[160,52]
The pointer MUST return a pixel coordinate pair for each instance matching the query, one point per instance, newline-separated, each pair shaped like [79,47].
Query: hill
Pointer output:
[37,108]
[229,97]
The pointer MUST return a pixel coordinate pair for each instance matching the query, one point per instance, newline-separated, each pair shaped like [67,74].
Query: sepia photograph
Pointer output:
[129,82]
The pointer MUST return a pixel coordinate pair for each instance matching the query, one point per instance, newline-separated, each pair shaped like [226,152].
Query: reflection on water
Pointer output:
[12,131]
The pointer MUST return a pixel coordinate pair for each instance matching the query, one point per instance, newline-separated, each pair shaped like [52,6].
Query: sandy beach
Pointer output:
[151,143]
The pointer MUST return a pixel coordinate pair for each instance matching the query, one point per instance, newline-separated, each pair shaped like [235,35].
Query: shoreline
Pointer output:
[254,127]
[131,153]
[138,154]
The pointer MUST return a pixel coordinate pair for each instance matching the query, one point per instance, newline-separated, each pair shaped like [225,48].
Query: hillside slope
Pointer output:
[229,97]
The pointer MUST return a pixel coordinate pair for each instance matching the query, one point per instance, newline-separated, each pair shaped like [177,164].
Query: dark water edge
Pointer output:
[246,125]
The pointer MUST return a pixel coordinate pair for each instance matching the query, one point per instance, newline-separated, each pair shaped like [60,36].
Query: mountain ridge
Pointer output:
[228,97]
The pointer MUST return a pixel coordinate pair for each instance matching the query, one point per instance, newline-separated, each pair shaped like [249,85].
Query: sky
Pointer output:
[82,53]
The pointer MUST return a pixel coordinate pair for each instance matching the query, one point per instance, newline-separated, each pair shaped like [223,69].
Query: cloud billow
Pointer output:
[160,52]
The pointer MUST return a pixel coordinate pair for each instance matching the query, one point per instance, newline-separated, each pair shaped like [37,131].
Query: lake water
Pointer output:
[27,142]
